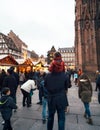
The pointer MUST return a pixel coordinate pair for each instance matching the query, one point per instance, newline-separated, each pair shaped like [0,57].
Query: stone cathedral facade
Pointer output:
[87,35]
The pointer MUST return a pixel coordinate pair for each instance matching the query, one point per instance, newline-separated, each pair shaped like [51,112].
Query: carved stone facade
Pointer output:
[87,35]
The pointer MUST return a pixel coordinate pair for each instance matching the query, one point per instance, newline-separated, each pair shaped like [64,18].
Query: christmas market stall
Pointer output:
[7,61]
[38,65]
[26,66]
[46,66]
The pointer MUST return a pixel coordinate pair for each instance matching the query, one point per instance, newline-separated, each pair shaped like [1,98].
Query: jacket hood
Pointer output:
[83,80]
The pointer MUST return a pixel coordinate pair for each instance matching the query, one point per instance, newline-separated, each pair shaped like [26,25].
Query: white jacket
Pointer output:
[28,85]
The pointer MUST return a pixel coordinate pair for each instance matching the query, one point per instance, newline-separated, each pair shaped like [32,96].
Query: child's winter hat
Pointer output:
[5,90]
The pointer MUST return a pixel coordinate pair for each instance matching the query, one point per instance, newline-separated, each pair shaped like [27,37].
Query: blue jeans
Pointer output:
[87,109]
[44,108]
[61,119]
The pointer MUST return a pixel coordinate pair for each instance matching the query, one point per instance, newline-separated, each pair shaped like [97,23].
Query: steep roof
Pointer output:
[8,41]
[8,60]
[27,62]
[16,40]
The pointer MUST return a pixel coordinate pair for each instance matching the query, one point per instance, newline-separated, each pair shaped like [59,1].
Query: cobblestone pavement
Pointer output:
[31,119]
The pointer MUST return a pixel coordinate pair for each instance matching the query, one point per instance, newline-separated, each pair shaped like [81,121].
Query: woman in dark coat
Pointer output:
[56,83]
[85,93]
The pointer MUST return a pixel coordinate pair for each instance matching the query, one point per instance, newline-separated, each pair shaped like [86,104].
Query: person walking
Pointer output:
[15,74]
[98,86]
[68,74]
[96,78]
[41,77]
[79,72]
[44,102]
[2,76]
[7,104]
[10,82]
[85,94]
[56,83]
[75,77]
[21,78]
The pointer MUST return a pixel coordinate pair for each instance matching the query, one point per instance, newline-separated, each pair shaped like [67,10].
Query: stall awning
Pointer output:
[8,61]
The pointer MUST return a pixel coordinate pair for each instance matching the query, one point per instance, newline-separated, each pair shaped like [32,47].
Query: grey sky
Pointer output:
[39,23]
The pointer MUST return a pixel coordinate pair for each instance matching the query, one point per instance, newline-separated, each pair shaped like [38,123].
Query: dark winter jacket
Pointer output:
[6,106]
[15,74]
[44,90]
[40,79]
[11,83]
[69,79]
[56,85]
[56,82]
[2,76]
[98,82]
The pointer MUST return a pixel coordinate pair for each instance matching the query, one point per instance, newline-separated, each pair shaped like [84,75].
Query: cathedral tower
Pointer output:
[87,35]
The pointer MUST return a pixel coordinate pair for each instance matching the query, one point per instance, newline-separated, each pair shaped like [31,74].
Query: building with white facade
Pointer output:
[68,56]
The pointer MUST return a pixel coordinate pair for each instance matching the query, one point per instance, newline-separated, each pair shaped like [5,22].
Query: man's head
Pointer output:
[12,68]
[9,71]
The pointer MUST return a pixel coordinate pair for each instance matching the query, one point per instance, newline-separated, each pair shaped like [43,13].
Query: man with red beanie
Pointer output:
[56,83]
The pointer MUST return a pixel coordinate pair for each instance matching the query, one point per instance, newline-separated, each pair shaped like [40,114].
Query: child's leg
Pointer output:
[7,125]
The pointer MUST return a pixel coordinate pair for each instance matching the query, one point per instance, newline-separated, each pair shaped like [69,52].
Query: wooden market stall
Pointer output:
[26,66]
[38,65]
[7,62]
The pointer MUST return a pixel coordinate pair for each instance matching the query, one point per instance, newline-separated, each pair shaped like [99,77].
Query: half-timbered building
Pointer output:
[8,47]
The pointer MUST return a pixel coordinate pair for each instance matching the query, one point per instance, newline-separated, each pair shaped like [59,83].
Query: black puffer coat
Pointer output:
[11,83]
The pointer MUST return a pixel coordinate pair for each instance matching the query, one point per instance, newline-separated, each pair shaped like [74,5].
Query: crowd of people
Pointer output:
[52,92]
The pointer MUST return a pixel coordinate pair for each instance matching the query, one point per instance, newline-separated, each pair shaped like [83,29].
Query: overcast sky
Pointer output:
[39,23]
